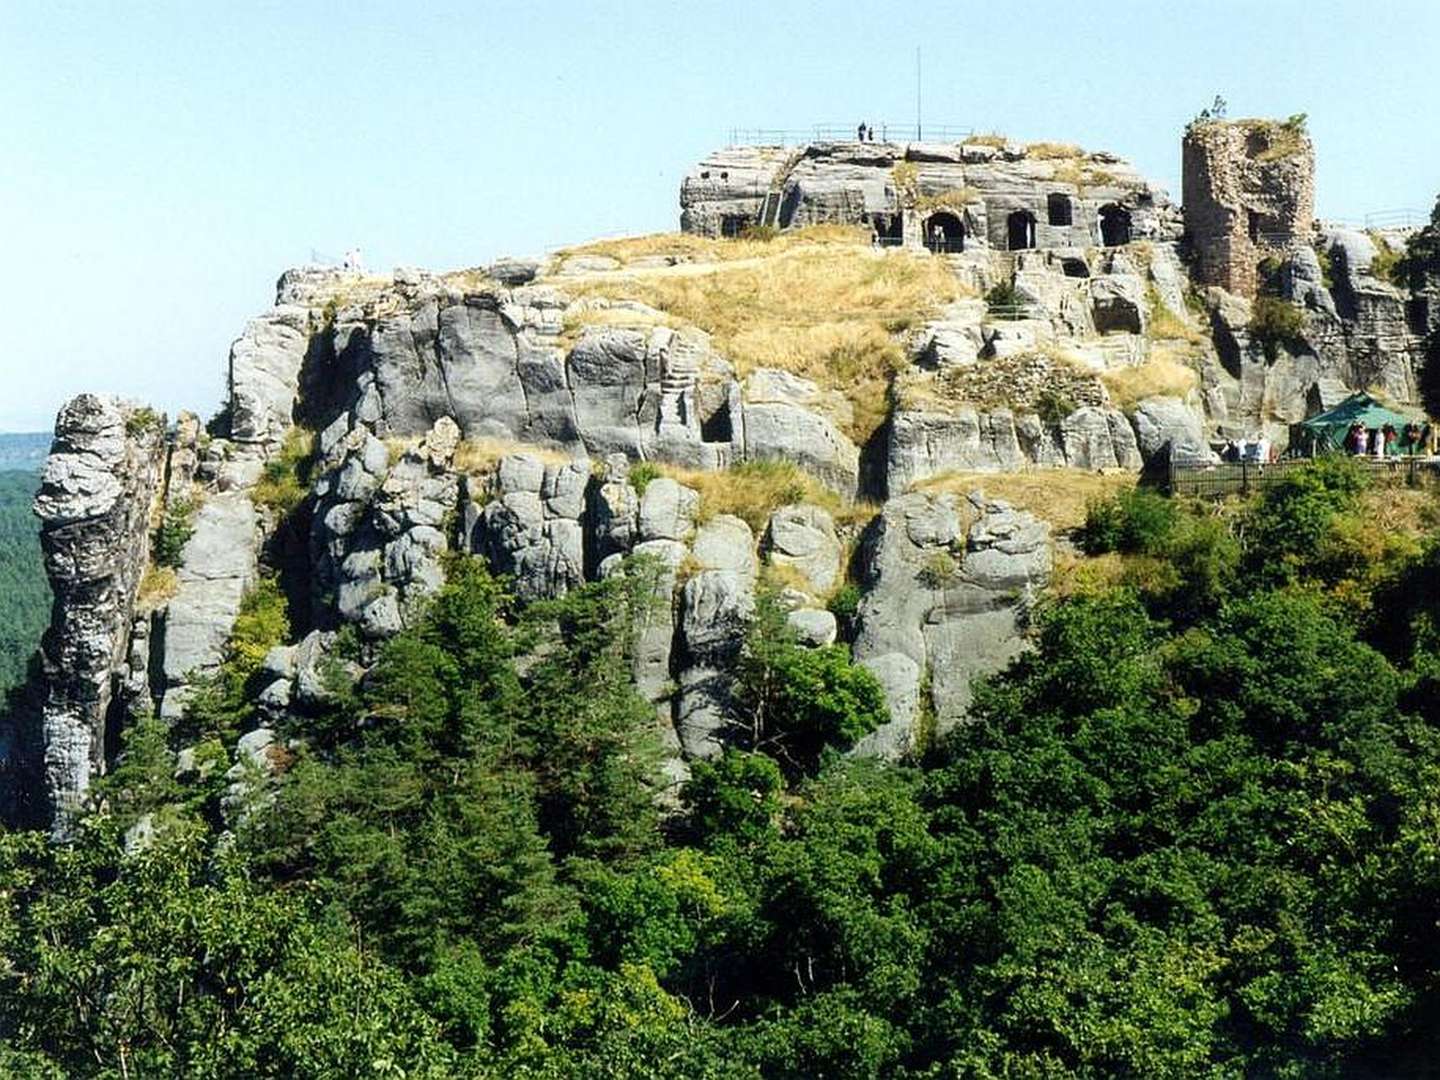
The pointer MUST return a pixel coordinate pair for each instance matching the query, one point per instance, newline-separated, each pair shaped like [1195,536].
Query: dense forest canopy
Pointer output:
[1193,832]
[24,592]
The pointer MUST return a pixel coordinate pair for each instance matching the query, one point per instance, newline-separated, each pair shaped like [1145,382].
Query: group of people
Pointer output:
[1255,450]
[1385,441]
[865,133]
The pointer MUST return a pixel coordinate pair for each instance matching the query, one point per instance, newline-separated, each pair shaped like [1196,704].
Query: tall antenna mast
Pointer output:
[917,93]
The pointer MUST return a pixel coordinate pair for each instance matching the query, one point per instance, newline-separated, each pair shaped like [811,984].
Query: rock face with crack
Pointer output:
[218,565]
[947,584]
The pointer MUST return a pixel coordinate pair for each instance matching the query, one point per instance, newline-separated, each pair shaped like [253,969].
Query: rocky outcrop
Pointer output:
[802,538]
[924,445]
[788,418]
[1167,429]
[379,530]
[95,504]
[716,603]
[947,581]
[511,414]
[533,527]
[264,374]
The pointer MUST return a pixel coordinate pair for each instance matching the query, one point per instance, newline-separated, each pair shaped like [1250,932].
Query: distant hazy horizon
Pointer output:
[166,161]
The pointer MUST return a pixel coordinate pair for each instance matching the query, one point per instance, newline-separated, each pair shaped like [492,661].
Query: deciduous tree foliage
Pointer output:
[1192,832]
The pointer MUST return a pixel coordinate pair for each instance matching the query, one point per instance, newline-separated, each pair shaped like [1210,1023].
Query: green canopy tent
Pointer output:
[1325,433]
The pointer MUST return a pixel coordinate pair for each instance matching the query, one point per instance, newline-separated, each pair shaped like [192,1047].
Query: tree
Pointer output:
[799,701]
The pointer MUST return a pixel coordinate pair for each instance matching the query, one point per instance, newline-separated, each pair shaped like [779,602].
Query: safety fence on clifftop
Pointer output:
[848,133]
[1204,480]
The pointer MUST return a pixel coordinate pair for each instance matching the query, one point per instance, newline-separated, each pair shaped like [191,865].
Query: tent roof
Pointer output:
[1357,408]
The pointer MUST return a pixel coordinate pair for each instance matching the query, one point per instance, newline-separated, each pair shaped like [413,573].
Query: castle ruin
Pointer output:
[984,194]
[1248,188]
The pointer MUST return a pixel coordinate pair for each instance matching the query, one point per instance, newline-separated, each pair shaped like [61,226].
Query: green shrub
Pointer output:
[1386,266]
[736,796]
[845,604]
[285,479]
[641,473]
[1285,528]
[144,421]
[1134,522]
[1275,323]
[223,703]
[169,540]
[1421,260]
[1052,406]
[798,701]
[1004,300]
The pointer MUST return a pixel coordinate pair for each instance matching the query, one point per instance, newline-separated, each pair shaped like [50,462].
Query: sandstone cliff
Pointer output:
[553,417]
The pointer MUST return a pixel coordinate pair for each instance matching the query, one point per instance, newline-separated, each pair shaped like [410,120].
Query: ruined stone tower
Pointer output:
[1249,194]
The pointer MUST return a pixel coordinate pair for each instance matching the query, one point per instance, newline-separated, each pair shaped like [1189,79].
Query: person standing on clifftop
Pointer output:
[860,133]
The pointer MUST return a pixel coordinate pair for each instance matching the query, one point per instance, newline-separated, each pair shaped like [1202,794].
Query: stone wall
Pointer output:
[1248,193]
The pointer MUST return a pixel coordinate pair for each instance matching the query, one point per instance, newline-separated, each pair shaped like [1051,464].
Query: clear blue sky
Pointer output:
[161,163]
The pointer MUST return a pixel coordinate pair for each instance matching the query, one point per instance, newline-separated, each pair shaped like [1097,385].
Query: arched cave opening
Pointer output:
[944,232]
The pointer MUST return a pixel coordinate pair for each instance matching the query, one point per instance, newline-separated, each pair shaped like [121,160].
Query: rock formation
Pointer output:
[95,504]
[516,415]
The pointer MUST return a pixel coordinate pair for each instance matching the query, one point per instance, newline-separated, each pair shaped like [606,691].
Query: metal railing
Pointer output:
[1010,312]
[1403,218]
[1204,480]
[847,133]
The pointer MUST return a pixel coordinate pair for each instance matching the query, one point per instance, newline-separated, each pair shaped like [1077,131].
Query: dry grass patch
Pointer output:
[1086,575]
[1168,325]
[1059,496]
[687,247]
[828,312]
[479,457]
[1082,174]
[1048,151]
[782,576]
[989,138]
[753,490]
[950,198]
[471,280]
[579,317]
[157,587]
[1400,510]
[1163,375]
[285,479]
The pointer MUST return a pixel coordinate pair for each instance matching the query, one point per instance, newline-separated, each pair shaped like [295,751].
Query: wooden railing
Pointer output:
[1243,477]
